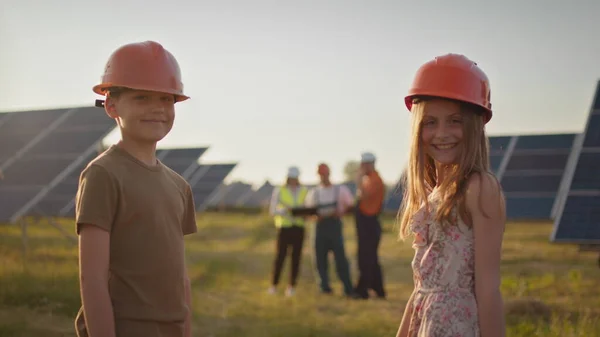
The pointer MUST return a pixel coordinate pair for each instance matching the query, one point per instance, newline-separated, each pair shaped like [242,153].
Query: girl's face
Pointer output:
[442,131]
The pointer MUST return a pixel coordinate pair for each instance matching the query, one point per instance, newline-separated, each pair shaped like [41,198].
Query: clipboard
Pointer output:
[303,211]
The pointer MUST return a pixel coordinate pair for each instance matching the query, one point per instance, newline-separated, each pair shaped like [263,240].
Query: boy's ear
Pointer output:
[110,107]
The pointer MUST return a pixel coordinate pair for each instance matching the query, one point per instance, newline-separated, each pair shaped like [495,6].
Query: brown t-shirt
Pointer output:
[147,210]
[373,194]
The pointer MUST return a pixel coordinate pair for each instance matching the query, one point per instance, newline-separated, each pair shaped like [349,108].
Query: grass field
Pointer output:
[549,290]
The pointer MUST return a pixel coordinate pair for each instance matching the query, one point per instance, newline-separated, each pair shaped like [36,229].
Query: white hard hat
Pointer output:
[293,172]
[367,157]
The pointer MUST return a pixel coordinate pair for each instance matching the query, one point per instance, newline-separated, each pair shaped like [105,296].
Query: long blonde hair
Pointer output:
[420,176]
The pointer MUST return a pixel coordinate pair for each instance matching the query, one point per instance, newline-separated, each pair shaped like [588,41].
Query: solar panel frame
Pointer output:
[578,212]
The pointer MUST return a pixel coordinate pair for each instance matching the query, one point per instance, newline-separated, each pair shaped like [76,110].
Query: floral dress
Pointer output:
[443,267]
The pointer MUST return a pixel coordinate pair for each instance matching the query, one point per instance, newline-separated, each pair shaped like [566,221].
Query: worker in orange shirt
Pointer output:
[370,197]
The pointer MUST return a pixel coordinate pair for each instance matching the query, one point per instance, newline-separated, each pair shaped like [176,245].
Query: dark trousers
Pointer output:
[288,237]
[329,237]
[368,229]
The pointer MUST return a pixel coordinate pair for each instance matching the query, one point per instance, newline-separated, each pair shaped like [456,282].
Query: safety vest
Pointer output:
[287,200]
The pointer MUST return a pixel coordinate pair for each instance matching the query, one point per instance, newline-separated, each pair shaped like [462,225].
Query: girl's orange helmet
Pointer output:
[452,76]
[143,66]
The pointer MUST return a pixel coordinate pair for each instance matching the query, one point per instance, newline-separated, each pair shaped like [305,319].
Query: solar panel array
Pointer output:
[41,148]
[259,198]
[206,181]
[184,161]
[239,194]
[578,214]
[232,198]
[43,153]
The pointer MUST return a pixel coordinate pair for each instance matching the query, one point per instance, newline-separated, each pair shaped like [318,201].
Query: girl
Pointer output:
[453,206]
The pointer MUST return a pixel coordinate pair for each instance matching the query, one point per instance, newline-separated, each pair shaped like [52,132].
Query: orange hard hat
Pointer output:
[452,76]
[143,66]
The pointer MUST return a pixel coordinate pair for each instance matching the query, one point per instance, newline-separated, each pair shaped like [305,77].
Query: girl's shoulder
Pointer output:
[484,194]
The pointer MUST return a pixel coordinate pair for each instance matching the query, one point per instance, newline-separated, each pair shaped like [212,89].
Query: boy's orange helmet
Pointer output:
[143,66]
[452,76]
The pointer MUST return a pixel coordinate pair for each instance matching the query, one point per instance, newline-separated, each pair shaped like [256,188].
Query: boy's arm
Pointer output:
[188,301]
[96,204]
[189,226]
[94,244]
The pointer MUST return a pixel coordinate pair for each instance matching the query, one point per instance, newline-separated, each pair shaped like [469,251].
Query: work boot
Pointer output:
[290,291]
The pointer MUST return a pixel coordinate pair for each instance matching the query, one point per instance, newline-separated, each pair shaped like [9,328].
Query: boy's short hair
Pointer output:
[116,92]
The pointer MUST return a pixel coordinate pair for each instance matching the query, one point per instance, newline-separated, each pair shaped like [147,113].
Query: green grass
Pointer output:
[549,290]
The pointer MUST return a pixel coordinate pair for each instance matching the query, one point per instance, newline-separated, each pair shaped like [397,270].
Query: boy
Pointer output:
[132,212]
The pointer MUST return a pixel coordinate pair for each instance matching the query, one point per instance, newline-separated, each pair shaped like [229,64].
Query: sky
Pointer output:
[281,83]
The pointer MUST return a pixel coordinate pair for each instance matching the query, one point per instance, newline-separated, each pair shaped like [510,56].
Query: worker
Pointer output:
[332,202]
[370,198]
[290,229]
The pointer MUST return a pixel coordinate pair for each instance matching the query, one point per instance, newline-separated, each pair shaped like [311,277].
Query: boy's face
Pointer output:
[143,116]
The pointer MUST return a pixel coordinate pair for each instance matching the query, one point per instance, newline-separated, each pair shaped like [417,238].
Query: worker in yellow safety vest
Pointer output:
[290,229]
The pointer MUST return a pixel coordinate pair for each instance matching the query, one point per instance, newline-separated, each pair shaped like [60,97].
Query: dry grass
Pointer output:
[550,290]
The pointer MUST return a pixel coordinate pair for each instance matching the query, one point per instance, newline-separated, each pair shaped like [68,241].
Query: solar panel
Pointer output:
[64,139]
[259,198]
[60,201]
[495,161]
[14,197]
[498,144]
[180,154]
[206,180]
[234,194]
[578,219]
[184,161]
[18,129]
[549,141]
[217,195]
[530,207]
[499,147]
[394,199]
[533,174]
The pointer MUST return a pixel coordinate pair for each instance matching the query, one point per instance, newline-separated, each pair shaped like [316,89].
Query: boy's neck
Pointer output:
[144,152]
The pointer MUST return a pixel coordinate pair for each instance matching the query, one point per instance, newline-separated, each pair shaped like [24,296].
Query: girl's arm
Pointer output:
[485,203]
[94,244]
[405,323]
